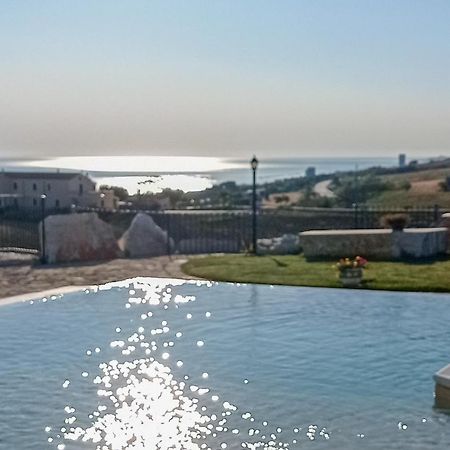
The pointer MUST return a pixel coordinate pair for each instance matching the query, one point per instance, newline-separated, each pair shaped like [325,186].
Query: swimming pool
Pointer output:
[157,364]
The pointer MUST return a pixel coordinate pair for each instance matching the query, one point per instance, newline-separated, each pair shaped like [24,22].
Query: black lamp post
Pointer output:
[254,165]
[43,255]
[102,200]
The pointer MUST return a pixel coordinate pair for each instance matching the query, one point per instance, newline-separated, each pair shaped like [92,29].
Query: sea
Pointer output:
[155,173]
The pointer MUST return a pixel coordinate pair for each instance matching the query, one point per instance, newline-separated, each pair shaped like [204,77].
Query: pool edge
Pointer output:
[39,294]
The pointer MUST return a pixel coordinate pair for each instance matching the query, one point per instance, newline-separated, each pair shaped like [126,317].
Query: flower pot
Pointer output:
[351,277]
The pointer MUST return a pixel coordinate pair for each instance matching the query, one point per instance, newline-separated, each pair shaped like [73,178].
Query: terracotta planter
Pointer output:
[351,277]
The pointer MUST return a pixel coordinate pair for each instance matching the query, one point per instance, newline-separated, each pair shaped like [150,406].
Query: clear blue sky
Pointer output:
[224,78]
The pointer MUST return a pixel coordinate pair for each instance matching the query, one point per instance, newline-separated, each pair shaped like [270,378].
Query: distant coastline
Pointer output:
[188,178]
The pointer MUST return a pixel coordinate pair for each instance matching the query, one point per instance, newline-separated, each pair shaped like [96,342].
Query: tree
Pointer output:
[173,195]
[120,192]
[359,189]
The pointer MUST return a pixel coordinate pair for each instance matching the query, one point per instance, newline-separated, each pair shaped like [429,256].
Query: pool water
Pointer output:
[167,364]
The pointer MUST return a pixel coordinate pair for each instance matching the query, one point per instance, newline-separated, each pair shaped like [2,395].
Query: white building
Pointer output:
[23,190]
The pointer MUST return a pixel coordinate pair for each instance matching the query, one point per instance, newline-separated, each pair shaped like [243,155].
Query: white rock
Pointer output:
[78,237]
[284,245]
[144,238]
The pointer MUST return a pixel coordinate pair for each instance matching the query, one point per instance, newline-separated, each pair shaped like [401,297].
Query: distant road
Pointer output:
[323,189]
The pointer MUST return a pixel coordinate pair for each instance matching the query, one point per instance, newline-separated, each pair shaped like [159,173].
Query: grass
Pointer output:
[419,175]
[424,191]
[296,271]
[411,198]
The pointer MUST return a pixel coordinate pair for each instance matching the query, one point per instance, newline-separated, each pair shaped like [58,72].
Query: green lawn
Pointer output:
[295,270]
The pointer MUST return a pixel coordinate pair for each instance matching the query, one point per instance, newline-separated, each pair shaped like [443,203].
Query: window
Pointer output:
[34,202]
[56,203]
[34,187]
[49,187]
[80,189]
[15,186]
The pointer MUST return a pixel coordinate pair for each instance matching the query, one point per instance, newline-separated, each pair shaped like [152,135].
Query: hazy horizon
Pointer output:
[224,79]
[191,173]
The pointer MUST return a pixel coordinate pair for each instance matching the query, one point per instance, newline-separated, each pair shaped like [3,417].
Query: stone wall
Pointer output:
[412,243]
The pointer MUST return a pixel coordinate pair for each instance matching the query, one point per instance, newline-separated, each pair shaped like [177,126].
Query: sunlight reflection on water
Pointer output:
[156,184]
[141,403]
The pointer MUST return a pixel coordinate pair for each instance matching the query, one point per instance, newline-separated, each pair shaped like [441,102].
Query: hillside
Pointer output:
[420,188]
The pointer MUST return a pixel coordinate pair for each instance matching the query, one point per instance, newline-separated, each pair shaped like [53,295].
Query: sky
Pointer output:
[224,78]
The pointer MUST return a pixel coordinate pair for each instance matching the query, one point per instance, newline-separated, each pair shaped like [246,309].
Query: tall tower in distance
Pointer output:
[310,172]
[402,160]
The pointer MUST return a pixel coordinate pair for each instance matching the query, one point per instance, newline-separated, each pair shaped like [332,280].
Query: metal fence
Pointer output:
[19,229]
[201,231]
[194,231]
[371,217]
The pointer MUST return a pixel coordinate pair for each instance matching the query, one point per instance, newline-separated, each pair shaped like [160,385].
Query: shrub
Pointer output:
[395,221]
[405,185]
[444,186]
[281,198]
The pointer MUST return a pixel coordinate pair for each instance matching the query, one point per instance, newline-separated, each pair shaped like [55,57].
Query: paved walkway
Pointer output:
[323,189]
[26,276]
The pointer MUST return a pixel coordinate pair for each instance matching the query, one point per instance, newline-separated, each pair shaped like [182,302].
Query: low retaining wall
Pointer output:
[411,243]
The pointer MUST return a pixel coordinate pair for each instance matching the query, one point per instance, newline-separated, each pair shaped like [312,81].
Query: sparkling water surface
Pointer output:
[166,364]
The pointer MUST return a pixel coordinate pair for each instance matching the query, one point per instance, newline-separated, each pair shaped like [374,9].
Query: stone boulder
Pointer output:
[78,237]
[144,238]
[288,244]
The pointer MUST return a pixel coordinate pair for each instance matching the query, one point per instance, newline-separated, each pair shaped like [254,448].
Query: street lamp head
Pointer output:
[43,196]
[254,162]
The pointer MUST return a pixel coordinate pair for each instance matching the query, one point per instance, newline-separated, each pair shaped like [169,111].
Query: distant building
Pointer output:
[310,172]
[106,199]
[402,160]
[23,190]
[151,201]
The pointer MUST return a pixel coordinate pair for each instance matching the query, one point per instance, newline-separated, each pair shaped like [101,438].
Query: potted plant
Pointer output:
[351,271]
[395,221]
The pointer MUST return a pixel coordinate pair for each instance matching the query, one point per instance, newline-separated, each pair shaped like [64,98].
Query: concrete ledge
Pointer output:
[442,376]
[375,244]
[442,389]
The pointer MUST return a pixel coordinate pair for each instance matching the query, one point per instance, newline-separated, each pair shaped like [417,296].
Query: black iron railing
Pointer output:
[202,231]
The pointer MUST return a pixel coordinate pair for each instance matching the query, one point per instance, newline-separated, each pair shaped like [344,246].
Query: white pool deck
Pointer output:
[41,294]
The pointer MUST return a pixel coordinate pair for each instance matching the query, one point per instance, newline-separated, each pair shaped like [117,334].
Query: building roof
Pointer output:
[43,175]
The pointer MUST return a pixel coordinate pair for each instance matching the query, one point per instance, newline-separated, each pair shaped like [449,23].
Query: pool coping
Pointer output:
[77,288]
[40,294]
